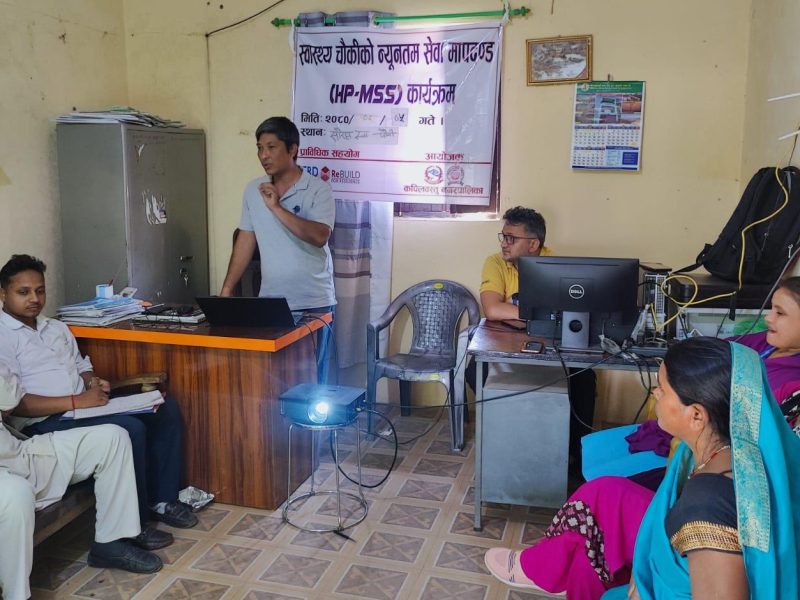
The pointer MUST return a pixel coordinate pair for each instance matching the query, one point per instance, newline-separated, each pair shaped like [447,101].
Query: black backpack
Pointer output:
[768,245]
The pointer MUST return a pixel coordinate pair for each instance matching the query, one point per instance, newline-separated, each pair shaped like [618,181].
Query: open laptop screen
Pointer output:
[246,312]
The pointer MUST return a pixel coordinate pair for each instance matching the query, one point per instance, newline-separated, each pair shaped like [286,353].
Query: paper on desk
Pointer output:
[136,403]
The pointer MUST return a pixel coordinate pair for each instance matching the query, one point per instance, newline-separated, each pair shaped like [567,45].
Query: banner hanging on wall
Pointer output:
[404,115]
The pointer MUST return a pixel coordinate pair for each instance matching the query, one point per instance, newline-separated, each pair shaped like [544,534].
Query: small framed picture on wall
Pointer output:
[559,60]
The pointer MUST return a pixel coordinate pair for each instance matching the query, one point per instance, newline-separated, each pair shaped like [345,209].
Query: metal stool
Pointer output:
[342,524]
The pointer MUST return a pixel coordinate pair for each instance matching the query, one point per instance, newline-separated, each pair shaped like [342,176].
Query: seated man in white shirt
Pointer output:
[35,472]
[43,354]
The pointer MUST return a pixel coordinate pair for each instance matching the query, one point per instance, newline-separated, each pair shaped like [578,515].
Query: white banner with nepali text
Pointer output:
[400,115]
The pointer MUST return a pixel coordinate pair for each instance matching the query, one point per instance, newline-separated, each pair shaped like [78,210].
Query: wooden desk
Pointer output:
[494,342]
[227,382]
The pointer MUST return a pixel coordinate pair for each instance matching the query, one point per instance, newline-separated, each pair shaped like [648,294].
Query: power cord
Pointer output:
[394,457]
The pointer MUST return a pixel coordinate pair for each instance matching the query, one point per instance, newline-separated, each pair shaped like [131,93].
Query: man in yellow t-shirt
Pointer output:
[523,234]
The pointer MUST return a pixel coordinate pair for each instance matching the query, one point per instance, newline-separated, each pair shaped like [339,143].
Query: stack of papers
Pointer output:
[119,114]
[100,312]
[146,402]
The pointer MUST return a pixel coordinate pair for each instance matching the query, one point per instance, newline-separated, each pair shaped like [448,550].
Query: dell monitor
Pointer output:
[587,296]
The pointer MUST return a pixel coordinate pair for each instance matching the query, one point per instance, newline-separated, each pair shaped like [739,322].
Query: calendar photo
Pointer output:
[607,125]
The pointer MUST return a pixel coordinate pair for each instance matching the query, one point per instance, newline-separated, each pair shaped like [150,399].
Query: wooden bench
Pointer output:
[80,497]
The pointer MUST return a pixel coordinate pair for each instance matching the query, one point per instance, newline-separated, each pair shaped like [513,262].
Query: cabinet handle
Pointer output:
[186,258]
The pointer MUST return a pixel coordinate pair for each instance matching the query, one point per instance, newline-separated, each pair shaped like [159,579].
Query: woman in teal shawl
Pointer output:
[725,521]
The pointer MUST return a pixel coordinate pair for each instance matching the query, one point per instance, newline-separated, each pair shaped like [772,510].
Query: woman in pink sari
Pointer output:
[588,547]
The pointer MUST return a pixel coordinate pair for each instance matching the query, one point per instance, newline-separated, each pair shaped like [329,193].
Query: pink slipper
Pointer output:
[504,564]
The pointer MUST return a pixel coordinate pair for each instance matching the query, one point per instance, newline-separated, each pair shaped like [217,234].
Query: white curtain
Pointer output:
[361,245]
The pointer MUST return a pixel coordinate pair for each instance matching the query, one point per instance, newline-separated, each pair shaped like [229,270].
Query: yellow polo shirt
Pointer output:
[501,276]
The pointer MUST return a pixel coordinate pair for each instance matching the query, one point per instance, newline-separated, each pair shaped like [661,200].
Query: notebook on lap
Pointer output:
[246,312]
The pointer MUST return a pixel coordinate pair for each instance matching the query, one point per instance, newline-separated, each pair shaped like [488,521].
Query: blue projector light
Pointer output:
[323,405]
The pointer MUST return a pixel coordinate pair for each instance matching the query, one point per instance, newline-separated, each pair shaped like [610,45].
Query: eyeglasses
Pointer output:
[512,239]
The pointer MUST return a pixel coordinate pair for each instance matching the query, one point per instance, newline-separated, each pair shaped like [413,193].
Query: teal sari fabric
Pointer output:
[766,472]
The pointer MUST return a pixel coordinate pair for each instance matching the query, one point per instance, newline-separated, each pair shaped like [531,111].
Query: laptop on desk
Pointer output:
[246,312]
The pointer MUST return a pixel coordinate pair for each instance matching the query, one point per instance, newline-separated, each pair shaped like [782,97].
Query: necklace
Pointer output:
[702,465]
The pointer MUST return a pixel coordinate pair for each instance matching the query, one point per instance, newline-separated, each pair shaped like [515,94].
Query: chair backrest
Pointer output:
[436,307]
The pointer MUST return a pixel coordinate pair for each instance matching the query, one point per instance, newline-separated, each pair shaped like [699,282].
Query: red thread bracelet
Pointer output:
[72,398]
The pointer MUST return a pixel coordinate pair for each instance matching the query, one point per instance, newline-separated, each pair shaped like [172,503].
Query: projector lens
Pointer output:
[318,412]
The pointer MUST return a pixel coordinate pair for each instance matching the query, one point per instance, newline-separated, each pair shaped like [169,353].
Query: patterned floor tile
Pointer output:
[257,527]
[532,532]
[350,507]
[494,528]
[300,571]
[113,584]
[322,473]
[261,595]
[410,425]
[367,479]
[51,572]
[469,500]
[191,589]
[272,562]
[391,546]
[387,443]
[425,490]
[445,448]
[439,588]
[372,582]
[322,541]
[226,559]
[441,468]
[462,557]
[173,553]
[210,518]
[326,457]
[375,460]
[410,516]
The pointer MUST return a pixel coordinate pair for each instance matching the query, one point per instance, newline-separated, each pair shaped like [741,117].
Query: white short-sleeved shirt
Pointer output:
[290,267]
[46,361]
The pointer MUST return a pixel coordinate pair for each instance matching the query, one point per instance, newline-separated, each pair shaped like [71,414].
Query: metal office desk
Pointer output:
[494,342]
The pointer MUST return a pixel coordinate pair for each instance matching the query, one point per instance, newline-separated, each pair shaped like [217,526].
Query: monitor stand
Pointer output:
[574,329]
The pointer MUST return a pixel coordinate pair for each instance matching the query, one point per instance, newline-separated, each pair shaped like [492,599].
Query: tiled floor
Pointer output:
[417,541]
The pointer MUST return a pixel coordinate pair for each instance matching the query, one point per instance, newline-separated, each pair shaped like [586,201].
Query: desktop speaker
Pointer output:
[322,405]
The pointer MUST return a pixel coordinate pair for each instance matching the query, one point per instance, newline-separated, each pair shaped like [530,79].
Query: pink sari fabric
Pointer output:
[588,547]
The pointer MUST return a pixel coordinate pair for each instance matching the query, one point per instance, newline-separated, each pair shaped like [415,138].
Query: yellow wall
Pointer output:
[772,71]
[54,56]
[709,67]
[692,55]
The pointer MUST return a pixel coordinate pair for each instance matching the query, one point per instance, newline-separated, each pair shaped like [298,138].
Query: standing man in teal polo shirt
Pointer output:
[289,215]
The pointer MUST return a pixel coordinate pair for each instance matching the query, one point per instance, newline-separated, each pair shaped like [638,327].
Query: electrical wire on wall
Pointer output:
[246,19]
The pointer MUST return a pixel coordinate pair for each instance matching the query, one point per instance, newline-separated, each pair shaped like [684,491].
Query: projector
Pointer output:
[322,405]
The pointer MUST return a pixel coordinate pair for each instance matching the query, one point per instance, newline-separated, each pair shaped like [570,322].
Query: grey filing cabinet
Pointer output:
[133,210]
[525,436]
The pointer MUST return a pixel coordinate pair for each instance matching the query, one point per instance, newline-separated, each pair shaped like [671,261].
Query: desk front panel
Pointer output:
[235,438]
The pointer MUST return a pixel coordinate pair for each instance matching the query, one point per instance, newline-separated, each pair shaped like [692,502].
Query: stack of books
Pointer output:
[119,114]
[100,312]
